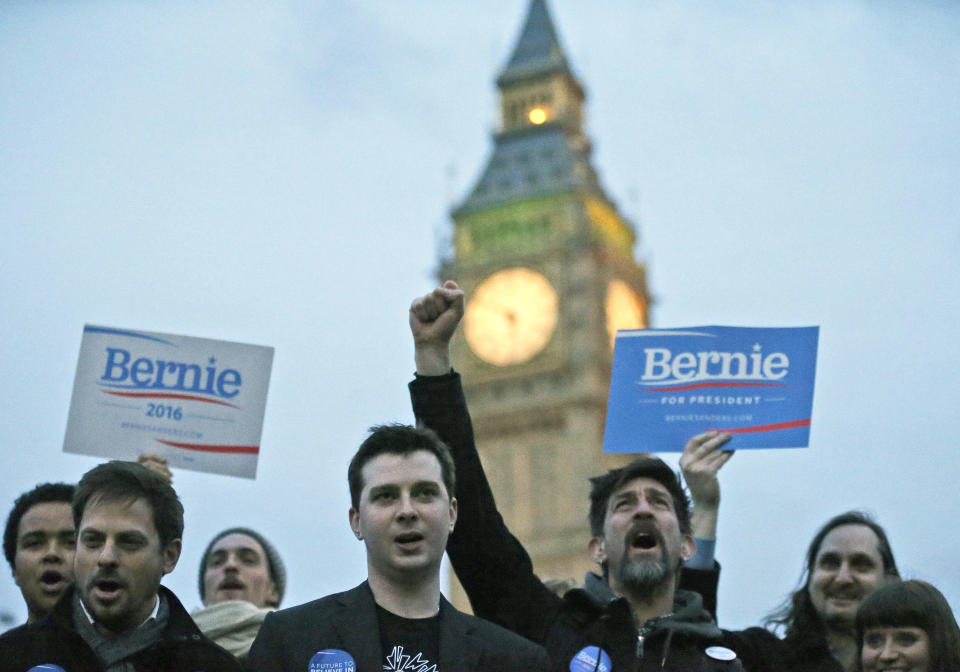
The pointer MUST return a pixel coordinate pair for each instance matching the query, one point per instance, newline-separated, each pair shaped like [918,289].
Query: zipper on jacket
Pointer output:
[666,649]
[646,629]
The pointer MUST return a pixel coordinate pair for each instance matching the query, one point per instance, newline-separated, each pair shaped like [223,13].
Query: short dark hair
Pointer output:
[603,487]
[797,614]
[42,494]
[128,481]
[914,604]
[397,439]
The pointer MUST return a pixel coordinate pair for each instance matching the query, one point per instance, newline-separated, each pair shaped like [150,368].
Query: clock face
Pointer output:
[625,309]
[511,316]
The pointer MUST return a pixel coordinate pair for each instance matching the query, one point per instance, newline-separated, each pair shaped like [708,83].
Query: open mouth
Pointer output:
[52,580]
[107,589]
[644,536]
[408,538]
[644,541]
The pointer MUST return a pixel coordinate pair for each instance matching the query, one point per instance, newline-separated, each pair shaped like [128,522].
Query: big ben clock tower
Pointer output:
[547,263]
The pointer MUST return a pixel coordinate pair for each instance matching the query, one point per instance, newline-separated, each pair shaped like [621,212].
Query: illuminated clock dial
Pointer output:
[625,309]
[511,316]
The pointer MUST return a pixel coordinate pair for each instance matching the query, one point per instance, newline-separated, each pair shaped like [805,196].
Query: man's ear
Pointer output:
[598,551]
[355,523]
[171,555]
[453,513]
[273,596]
[688,547]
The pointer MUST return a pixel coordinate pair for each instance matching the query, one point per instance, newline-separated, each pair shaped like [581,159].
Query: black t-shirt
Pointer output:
[409,644]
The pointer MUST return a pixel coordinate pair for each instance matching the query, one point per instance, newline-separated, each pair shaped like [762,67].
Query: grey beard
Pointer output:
[643,576]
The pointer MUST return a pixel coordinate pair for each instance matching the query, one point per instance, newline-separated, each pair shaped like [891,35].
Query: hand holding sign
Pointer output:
[702,458]
[158,465]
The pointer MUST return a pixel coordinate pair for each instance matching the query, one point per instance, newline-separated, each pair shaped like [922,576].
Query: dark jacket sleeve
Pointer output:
[759,649]
[535,660]
[490,562]
[541,662]
[703,581]
[266,654]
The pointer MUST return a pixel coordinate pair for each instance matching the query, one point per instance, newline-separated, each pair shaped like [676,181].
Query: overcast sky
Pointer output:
[280,173]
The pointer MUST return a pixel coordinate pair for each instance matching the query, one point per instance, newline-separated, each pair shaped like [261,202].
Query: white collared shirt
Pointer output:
[153,614]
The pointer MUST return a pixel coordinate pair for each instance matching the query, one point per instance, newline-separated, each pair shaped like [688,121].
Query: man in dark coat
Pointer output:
[118,618]
[55,640]
[402,481]
[633,618]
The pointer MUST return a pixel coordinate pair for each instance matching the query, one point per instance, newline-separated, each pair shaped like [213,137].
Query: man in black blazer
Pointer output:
[401,488]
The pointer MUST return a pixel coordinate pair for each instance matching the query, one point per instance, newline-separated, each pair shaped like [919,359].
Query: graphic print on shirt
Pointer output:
[397,661]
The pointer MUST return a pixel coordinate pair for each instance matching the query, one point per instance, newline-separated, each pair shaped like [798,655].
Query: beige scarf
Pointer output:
[233,624]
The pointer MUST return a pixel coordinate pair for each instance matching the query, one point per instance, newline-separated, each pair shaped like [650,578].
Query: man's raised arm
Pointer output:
[492,565]
[702,458]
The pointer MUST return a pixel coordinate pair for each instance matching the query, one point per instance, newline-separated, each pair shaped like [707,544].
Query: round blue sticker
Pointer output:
[591,659]
[332,660]
[46,667]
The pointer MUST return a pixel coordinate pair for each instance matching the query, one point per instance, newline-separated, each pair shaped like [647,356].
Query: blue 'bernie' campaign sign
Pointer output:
[670,384]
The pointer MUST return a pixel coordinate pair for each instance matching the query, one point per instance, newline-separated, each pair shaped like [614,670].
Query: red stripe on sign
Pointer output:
[206,448]
[697,386]
[765,428]
[169,395]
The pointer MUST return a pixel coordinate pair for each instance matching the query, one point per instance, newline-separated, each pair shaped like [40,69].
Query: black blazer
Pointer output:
[348,621]
[54,641]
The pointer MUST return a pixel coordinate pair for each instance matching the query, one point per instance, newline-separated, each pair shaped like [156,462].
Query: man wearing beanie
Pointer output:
[242,579]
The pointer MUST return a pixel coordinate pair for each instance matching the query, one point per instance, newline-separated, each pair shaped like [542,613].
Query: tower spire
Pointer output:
[538,51]
[540,147]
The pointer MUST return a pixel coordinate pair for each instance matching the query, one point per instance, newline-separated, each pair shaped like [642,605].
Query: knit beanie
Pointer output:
[278,573]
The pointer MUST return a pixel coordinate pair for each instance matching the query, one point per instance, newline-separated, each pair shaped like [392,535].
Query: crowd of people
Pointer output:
[89,560]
